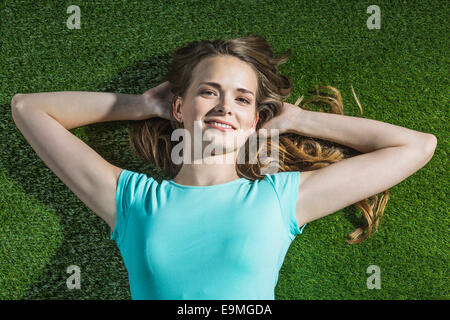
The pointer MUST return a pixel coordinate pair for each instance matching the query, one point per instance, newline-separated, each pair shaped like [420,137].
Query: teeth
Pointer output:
[221,125]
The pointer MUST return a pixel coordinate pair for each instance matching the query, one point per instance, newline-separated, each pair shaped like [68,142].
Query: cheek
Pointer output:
[199,109]
[250,118]
[192,112]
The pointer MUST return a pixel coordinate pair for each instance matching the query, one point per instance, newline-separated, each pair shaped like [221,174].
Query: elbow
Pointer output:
[430,144]
[15,100]
[16,103]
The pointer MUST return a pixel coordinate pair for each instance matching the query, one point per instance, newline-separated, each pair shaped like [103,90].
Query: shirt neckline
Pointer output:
[232,182]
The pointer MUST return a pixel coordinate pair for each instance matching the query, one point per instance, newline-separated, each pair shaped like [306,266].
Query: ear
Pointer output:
[253,129]
[176,108]
[256,119]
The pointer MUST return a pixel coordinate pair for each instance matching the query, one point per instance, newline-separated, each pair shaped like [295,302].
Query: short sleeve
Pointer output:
[286,185]
[129,187]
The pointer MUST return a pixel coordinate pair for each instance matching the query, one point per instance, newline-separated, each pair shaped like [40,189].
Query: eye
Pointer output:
[208,91]
[246,101]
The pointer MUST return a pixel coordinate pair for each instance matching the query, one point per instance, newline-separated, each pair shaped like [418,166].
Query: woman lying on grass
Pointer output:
[220,228]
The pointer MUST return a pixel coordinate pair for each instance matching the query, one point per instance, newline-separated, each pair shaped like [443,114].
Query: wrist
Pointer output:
[292,117]
[149,109]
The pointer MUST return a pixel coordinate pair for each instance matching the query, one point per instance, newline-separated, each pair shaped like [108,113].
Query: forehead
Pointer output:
[226,70]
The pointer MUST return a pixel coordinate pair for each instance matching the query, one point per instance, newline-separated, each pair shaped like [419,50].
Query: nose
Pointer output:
[224,105]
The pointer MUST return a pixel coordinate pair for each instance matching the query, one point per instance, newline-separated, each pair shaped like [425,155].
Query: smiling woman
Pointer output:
[220,230]
[215,81]
[238,83]
[217,101]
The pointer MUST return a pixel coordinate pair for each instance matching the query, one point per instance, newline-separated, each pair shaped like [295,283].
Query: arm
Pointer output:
[73,109]
[44,120]
[391,154]
[364,135]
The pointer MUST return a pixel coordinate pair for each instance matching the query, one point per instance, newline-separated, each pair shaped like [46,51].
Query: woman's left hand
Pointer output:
[284,122]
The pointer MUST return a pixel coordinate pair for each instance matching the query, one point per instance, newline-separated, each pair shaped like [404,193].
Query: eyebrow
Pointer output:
[214,84]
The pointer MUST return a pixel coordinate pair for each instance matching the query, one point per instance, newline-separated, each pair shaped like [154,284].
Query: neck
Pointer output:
[211,171]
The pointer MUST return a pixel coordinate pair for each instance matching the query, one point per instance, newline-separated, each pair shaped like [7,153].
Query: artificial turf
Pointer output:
[399,72]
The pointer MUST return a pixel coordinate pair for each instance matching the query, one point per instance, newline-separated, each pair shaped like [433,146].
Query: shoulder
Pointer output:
[132,182]
[282,177]
[140,177]
[285,183]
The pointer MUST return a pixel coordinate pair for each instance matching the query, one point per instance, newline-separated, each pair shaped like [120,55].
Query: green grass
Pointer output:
[399,72]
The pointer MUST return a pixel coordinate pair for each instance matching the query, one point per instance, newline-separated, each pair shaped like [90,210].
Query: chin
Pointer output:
[223,142]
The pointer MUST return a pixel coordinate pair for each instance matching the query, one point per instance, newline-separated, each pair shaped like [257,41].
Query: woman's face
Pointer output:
[223,88]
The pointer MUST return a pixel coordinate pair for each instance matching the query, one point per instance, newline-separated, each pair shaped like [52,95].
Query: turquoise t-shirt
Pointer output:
[225,241]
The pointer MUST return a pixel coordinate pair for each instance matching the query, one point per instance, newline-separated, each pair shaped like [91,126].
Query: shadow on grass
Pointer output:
[86,237]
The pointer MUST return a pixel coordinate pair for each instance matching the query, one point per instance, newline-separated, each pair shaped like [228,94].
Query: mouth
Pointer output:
[220,126]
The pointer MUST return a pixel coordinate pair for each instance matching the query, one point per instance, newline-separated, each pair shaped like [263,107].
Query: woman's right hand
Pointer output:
[159,99]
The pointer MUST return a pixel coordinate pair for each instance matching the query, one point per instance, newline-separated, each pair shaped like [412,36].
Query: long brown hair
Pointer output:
[151,138]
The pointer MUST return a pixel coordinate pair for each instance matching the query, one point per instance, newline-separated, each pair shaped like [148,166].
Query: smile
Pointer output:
[219,126]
